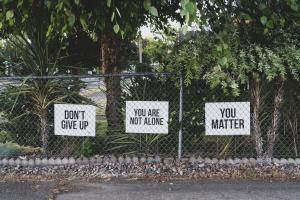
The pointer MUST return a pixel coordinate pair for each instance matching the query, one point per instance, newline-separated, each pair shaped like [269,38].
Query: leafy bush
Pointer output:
[87,147]
[5,137]
[136,143]
[12,149]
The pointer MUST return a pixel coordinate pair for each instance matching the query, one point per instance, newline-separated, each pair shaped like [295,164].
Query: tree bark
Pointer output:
[44,130]
[275,121]
[111,64]
[293,123]
[255,118]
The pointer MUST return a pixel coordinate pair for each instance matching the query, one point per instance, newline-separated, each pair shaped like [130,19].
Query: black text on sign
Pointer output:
[227,118]
[147,117]
[74,120]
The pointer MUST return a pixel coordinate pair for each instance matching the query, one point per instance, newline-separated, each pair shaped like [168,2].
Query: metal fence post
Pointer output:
[180,116]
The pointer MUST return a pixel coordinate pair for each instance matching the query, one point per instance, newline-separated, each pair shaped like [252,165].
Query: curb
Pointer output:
[96,160]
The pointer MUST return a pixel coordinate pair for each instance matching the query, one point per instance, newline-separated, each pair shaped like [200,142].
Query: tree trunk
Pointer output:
[294,126]
[44,130]
[274,126]
[255,118]
[111,64]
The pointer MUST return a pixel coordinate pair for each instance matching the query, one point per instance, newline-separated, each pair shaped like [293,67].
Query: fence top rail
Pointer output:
[88,76]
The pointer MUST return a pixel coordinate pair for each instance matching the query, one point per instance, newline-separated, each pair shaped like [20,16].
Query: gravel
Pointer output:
[166,169]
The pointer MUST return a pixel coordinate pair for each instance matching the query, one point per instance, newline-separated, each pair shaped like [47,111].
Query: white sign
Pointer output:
[147,117]
[74,120]
[227,118]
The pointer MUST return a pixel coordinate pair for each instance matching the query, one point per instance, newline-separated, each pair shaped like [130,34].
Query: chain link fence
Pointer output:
[195,139]
[27,124]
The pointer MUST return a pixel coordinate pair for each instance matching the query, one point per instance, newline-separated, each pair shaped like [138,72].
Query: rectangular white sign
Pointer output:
[74,120]
[227,118]
[147,117]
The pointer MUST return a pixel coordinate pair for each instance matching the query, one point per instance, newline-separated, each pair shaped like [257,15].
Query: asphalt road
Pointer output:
[26,190]
[138,190]
[214,190]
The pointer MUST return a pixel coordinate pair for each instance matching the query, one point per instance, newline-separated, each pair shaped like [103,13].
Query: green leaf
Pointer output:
[20,3]
[262,6]
[5,1]
[48,4]
[11,22]
[83,23]
[270,24]
[183,13]
[112,17]
[190,7]
[122,34]
[9,14]
[153,11]
[263,20]
[147,4]
[116,28]
[71,19]
[225,46]
[187,18]
[223,61]
[118,12]
[50,29]
[184,28]
[108,3]
[294,7]
[77,2]
[245,16]
[64,28]
[282,21]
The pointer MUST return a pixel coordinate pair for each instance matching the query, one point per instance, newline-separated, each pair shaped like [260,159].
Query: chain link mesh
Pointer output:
[27,118]
[27,115]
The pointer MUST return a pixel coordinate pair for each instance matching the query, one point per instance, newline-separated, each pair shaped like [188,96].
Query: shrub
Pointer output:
[87,147]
